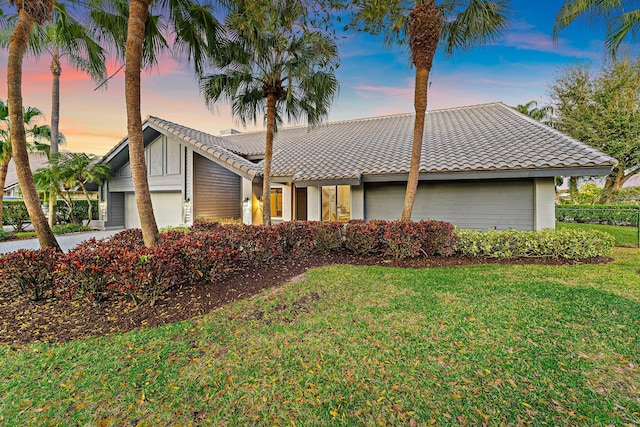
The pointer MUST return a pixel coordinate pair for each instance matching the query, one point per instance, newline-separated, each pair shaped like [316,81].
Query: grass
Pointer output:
[626,237]
[361,346]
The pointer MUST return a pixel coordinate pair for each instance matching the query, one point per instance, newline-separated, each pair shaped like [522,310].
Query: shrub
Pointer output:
[83,271]
[15,214]
[436,237]
[131,238]
[363,238]
[209,256]
[80,210]
[205,226]
[257,244]
[4,234]
[563,243]
[29,271]
[599,214]
[327,236]
[296,237]
[402,240]
[69,228]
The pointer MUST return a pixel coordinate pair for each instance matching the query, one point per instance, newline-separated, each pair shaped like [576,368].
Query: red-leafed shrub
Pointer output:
[402,240]
[131,238]
[363,238]
[258,244]
[296,237]
[327,236]
[29,272]
[83,271]
[437,237]
[208,257]
[205,226]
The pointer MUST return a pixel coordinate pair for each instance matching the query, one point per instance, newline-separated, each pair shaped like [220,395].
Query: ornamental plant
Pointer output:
[29,272]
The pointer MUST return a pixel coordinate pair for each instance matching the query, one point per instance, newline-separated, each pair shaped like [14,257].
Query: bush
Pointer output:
[29,272]
[296,237]
[80,210]
[257,244]
[402,240]
[15,214]
[327,236]
[83,272]
[364,238]
[436,237]
[4,234]
[205,226]
[563,243]
[599,214]
[69,228]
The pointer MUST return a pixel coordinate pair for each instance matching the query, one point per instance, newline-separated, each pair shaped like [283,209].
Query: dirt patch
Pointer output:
[23,321]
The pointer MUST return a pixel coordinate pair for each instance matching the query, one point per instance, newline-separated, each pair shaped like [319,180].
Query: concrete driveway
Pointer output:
[66,241]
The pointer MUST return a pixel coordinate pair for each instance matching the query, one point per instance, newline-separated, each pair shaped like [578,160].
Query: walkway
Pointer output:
[66,241]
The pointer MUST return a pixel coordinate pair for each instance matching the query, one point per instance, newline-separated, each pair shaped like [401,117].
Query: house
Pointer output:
[11,185]
[484,166]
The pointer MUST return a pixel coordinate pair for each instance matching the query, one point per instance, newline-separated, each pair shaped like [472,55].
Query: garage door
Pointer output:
[167,208]
[471,204]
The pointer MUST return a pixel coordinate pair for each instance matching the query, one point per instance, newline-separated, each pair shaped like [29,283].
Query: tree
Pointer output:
[82,169]
[543,114]
[195,30]
[273,65]
[621,17]
[35,11]
[602,109]
[456,25]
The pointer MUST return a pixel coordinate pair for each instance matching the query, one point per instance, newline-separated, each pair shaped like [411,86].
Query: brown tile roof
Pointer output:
[36,161]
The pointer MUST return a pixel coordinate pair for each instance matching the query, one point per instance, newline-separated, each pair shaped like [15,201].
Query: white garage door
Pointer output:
[167,208]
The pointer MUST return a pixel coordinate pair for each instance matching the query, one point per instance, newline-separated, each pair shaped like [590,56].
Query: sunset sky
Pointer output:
[373,81]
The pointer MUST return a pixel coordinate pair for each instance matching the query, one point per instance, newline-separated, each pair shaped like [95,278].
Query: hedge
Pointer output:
[209,252]
[599,214]
[562,243]
[15,212]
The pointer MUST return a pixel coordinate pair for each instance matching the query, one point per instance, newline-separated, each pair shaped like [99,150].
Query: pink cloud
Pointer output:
[542,42]
[385,90]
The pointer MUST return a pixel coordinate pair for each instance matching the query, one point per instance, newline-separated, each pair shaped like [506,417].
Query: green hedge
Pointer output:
[599,214]
[15,212]
[562,243]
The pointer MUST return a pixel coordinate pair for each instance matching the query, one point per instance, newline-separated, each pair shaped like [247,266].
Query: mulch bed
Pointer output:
[53,320]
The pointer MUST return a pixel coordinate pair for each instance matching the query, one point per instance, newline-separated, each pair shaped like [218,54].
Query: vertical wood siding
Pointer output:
[216,190]
[471,204]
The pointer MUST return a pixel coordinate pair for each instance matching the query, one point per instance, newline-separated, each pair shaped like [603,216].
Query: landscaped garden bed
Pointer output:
[117,285]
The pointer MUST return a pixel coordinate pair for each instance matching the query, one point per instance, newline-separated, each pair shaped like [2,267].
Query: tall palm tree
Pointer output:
[272,65]
[621,16]
[195,30]
[63,37]
[456,25]
[29,12]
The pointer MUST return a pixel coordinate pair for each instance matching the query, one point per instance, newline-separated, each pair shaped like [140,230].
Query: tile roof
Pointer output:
[488,137]
[222,149]
[36,161]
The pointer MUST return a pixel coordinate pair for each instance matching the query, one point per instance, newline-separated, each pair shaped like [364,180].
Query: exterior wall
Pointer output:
[164,168]
[314,203]
[216,191]
[545,206]
[467,204]
[357,202]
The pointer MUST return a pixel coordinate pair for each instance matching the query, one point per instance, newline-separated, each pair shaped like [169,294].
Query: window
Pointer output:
[276,202]
[336,203]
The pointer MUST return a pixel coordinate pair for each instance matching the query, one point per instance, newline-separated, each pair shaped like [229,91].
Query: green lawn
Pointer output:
[626,237]
[362,346]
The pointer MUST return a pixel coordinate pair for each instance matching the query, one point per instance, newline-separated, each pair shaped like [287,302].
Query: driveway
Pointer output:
[66,241]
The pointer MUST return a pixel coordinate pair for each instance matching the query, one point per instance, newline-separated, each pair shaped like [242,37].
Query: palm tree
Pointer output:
[35,11]
[272,65]
[621,16]
[456,25]
[195,30]
[543,114]
[38,133]
[63,37]
[82,169]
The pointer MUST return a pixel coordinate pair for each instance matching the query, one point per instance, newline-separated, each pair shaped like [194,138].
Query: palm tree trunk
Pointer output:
[4,167]
[86,194]
[420,104]
[138,10]
[268,155]
[17,48]
[56,71]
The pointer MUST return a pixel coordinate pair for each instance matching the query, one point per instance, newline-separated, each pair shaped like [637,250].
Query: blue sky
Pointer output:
[374,80]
